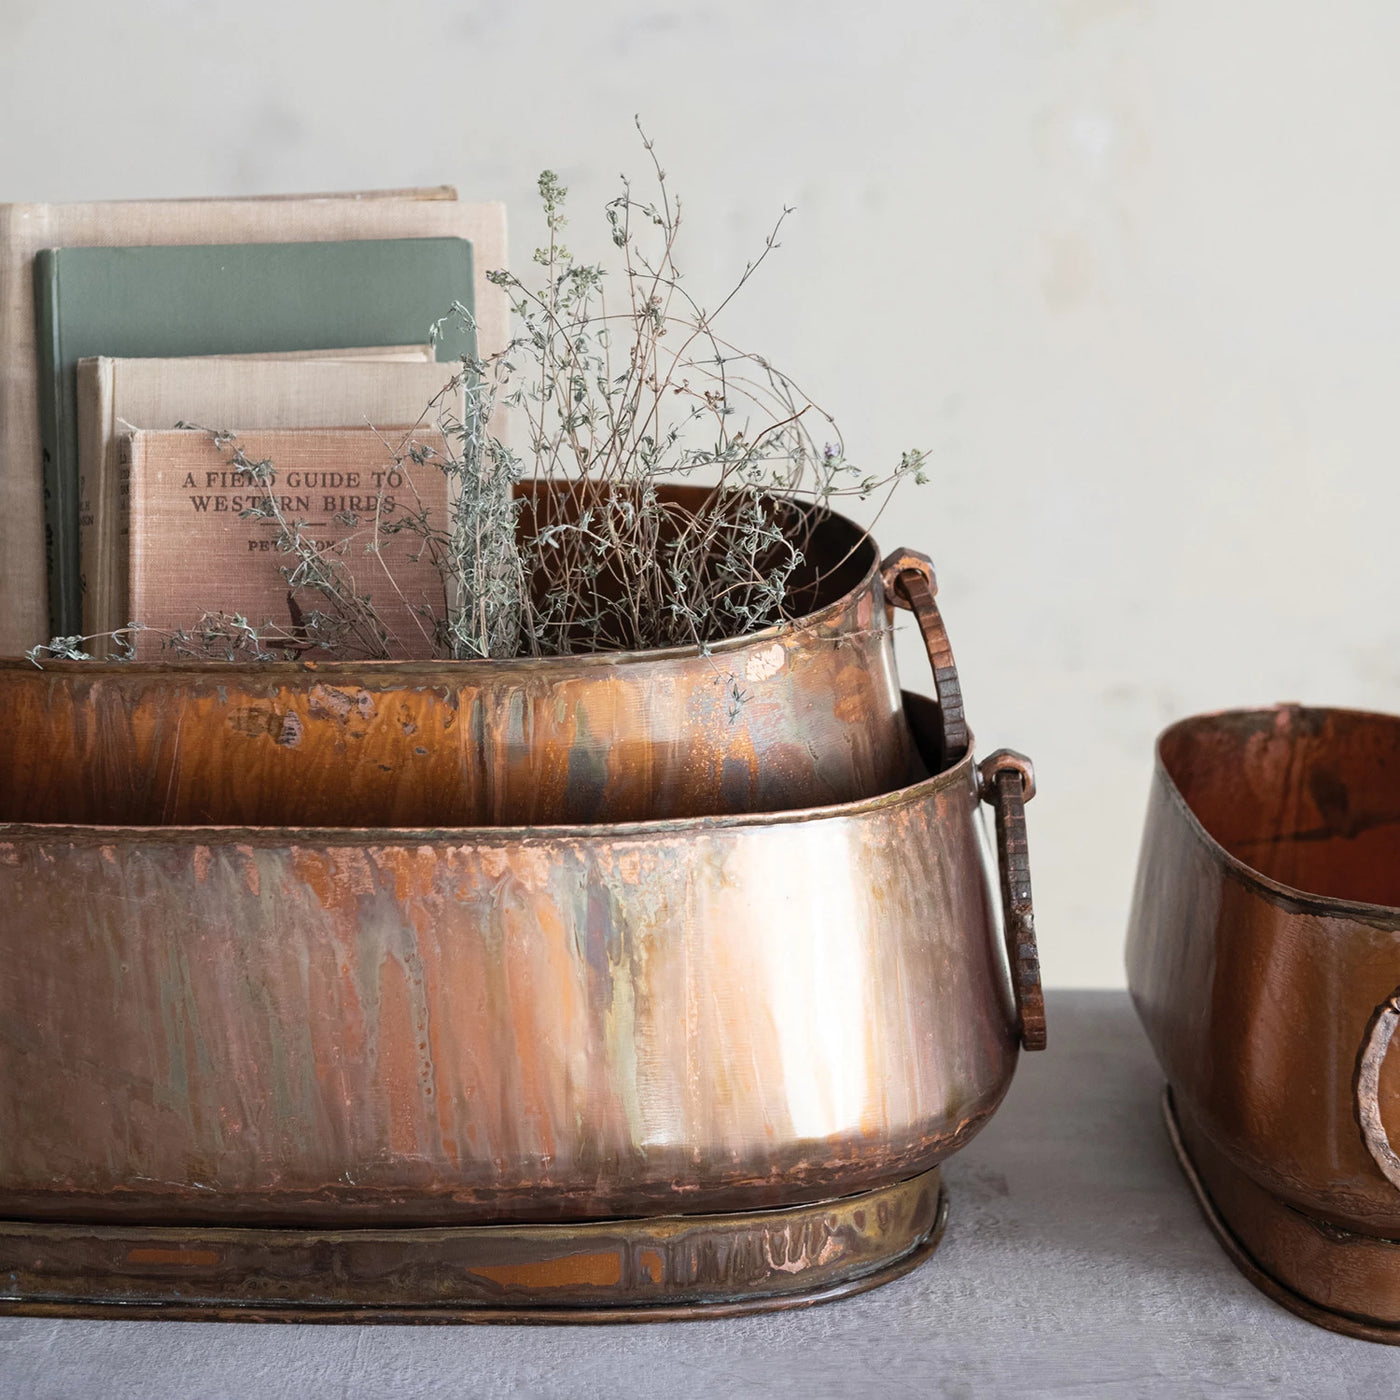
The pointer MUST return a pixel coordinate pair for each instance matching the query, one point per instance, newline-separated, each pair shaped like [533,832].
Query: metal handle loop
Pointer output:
[910,582]
[1384,1020]
[1008,783]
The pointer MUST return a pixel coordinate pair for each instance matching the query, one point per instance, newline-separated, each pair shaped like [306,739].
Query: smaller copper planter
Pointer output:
[1264,957]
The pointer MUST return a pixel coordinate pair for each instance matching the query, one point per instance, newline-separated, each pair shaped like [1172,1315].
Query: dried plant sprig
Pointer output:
[123,641]
[616,400]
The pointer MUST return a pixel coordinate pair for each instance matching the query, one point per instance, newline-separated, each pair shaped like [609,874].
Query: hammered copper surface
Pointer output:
[802,715]
[596,1271]
[450,1026]
[1263,950]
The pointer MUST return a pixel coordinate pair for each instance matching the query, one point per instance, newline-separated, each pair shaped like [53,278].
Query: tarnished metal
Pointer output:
[601,1271]
[801,715]
[1263,956]
[343,1026]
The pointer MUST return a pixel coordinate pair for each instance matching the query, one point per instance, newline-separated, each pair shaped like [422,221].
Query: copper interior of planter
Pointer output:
[1308,798]
[835,553]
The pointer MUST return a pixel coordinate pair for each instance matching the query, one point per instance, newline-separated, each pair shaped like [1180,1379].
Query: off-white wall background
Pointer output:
[1127,267]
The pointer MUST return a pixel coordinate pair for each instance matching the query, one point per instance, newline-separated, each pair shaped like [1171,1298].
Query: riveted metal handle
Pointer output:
[910,582]
[1008,783]
[1384,1020]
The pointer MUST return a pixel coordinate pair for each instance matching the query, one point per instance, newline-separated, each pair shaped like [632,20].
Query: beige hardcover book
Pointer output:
[116,396]
[93,443]
[26,228]
[192,553]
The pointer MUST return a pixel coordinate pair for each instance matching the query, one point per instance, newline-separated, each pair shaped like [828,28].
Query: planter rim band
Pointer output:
[1385,916]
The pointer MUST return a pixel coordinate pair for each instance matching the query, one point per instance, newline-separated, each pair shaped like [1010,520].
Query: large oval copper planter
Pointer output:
[1264,957]
[424,1032]
[800,715]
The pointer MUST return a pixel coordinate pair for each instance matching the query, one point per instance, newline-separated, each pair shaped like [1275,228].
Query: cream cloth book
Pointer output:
[26,228]
[116,397]
[193,552]
[95,514]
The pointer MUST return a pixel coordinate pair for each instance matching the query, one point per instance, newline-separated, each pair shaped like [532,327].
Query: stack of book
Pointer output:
[304,325]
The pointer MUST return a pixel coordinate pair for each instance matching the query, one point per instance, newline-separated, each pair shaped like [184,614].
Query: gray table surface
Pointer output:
[1075,1264]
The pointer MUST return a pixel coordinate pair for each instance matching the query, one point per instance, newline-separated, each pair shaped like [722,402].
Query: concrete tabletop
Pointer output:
[1075,1264]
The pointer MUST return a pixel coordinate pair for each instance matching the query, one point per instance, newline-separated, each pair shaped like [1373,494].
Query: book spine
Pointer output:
[113,499]
[13,633]
[97,474]
[60,495]
[130,593]
[24,605]
[89,475]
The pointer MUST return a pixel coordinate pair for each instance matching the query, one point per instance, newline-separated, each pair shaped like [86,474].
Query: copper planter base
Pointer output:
[598,1271]
[1329,1276]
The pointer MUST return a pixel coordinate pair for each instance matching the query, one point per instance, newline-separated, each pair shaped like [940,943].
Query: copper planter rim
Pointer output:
[953,774]
[1384,915]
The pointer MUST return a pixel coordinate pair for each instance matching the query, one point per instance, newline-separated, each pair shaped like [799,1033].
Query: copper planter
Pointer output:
[800,715]
[1263,956]
[453,1071]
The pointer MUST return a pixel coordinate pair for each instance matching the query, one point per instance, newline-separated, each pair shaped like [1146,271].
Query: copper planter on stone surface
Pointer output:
[446,1070]
[1264,958]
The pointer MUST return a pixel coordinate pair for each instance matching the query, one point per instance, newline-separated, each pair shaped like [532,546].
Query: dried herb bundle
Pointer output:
[620,384]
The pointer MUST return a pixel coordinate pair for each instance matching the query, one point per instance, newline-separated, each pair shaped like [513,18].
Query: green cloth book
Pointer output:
[221,299]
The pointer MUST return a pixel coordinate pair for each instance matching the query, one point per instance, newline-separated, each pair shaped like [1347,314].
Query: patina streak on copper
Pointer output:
[1264,948]
[801,715]
[600,1269]
[452,1026]
[597,1271]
